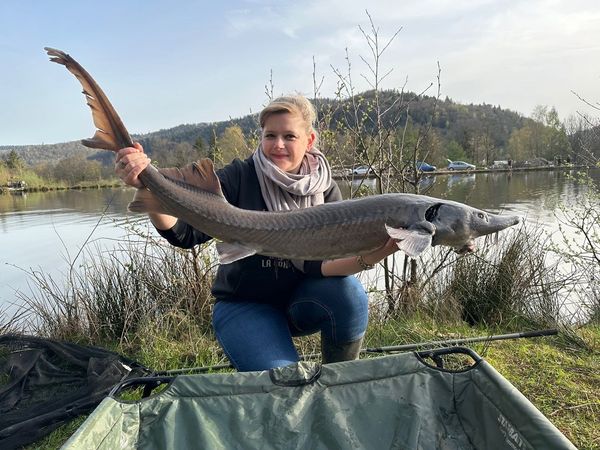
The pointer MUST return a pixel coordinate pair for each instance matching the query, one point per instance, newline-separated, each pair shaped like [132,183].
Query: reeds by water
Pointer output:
[145,284]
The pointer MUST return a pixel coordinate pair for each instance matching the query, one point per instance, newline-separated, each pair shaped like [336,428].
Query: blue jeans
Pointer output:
[258,336]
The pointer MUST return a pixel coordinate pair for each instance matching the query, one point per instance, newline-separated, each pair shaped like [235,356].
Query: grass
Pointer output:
[59,436]
[563,384]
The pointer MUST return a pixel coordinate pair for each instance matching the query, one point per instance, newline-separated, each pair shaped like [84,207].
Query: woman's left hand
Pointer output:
[349,266]
[388,249]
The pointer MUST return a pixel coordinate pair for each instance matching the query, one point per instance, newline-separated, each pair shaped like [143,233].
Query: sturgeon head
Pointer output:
[451,224]
[458,225]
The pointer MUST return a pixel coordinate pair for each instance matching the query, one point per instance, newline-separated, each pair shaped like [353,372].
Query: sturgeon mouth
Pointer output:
[469,247]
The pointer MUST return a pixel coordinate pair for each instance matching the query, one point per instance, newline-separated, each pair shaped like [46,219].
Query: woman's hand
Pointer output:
[130,162]
[388,249]
[349,266]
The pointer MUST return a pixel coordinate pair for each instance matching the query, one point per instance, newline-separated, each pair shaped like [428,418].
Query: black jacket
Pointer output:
[256,278]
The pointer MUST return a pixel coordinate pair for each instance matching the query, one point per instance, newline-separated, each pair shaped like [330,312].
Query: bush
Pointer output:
[513,282]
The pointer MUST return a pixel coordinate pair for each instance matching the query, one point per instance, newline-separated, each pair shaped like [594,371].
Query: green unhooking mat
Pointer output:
[397,401]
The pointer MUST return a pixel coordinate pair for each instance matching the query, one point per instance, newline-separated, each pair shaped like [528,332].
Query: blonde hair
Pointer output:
[292,104]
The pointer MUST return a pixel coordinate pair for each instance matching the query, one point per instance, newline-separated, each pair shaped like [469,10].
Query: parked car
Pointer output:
[460,165]
[424,167]
[361,170]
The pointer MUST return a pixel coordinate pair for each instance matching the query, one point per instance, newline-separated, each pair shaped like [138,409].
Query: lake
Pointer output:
[46,231]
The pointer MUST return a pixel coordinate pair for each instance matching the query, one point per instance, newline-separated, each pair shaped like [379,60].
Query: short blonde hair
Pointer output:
[293,104]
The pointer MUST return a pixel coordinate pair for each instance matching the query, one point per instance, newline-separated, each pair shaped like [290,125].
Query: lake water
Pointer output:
[46,231]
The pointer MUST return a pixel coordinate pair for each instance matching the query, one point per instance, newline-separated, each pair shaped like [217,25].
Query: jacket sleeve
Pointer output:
[184,235]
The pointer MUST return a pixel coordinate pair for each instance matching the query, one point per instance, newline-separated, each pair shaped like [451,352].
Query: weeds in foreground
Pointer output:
[508,284]
[145,288]
[112,295]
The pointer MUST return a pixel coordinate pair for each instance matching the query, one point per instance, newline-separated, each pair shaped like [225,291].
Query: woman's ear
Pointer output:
[311,140]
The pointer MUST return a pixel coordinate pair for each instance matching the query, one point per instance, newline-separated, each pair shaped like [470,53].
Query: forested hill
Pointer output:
[452,122]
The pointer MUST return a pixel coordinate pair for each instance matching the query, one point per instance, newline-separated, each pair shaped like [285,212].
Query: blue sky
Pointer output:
[167,63]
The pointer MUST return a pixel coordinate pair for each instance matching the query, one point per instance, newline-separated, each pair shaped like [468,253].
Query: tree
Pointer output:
[13,161]
[544,136]
[520,144]
[76,169]
[455,151]
[230,145]
[548,133]
[167,153]
[377,123]
[201,147]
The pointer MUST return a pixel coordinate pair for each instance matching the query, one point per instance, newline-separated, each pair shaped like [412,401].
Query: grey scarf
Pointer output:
[284,191]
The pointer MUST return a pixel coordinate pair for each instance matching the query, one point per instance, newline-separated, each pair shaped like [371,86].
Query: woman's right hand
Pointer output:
[130,162]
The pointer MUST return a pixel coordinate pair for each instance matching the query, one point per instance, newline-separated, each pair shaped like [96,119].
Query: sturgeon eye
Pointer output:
[480,215]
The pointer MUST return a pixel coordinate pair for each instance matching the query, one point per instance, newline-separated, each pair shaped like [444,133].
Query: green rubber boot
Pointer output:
[339,352]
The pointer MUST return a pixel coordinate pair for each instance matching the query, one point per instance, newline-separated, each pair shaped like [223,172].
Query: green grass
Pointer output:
[58,437]
[563,383]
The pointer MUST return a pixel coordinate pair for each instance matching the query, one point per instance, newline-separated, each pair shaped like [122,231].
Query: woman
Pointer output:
[261,302]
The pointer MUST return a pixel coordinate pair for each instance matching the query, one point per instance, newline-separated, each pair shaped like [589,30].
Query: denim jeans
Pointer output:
[258,336]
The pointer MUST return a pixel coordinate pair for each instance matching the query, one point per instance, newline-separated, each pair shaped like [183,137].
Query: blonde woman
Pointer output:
[261,301]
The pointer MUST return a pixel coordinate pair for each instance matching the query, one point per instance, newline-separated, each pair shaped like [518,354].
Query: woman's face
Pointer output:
[285,141]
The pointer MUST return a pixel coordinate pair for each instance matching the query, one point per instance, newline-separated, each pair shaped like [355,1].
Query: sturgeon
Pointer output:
[332,230]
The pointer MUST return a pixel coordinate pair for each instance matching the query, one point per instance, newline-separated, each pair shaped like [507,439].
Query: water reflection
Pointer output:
[426,183]
[457,180]
[45,231]
[29,210]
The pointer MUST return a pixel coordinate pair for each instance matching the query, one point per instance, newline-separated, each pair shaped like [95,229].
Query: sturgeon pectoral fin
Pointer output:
[229,253]
[145,202]
[411,242]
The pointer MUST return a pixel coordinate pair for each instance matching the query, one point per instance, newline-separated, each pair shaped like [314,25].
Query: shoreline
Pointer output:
[78,187]
[337,173]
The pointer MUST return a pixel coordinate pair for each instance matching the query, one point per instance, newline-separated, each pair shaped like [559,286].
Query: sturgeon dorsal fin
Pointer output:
[205,168]
[200,174]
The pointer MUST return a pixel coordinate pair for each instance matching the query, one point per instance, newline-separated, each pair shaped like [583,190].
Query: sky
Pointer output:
[165,63]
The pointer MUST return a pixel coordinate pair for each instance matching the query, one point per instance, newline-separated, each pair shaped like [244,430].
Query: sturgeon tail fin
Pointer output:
[110,134]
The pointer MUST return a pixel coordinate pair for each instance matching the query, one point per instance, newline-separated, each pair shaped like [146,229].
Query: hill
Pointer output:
[452,122]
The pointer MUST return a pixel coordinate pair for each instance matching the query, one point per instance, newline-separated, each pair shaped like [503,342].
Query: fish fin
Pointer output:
[110,134]
[229,252]
[200,174]
[411,242]
[145,202]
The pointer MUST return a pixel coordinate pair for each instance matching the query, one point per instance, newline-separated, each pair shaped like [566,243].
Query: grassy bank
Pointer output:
[151,302]
[37,183]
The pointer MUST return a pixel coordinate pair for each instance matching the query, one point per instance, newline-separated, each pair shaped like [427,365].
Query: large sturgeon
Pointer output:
[333,230]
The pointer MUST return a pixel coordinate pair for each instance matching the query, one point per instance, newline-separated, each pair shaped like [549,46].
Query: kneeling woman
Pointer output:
[262,302]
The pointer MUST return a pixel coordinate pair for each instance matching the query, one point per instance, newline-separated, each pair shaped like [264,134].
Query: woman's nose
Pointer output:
[280,143]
